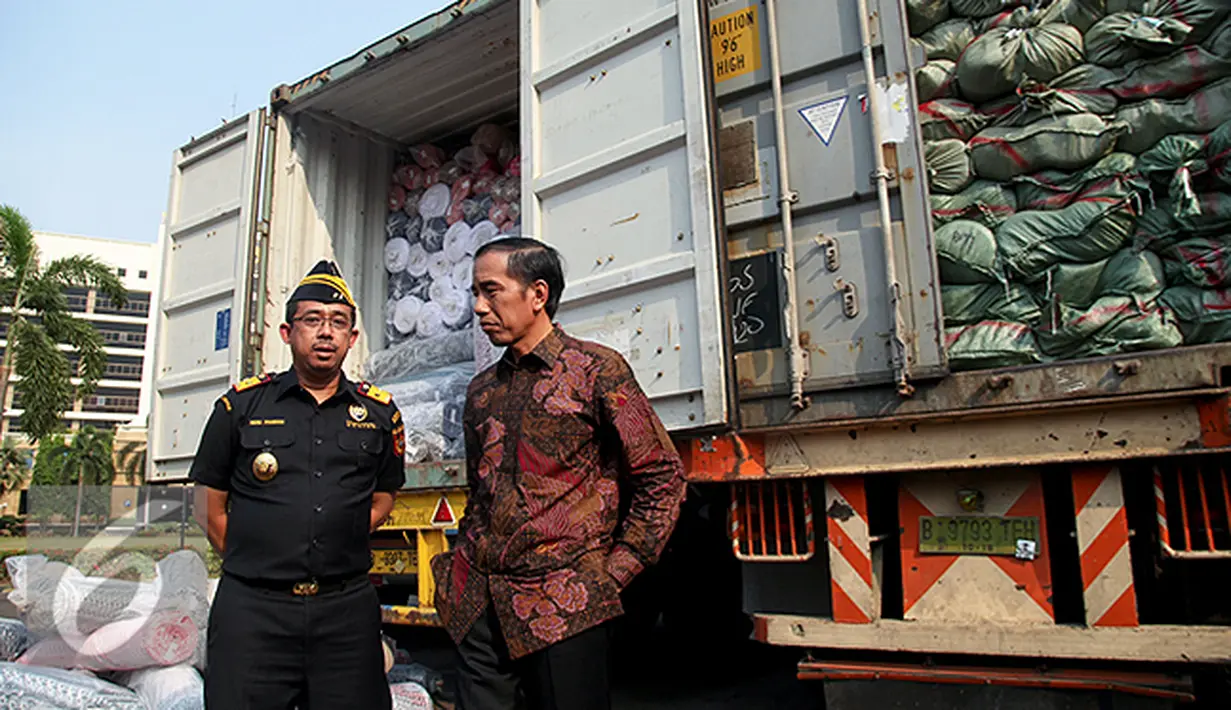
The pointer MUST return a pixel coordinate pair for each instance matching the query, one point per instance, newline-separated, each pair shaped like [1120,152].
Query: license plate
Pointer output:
[403,561]
[976,534]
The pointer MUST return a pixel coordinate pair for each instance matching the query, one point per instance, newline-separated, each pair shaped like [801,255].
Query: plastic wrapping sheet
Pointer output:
[410,696]
[416,261]
[462,274]
[433,235]
[413,357]
[31,688]
[397,197]
[170,688]
[431,322]
[438,266]
[406,314]
[458,242]
[397,255]
[395,225]
[428,156]
[435,201]
[489,138]
[411,208]
[14,638]
[454,304]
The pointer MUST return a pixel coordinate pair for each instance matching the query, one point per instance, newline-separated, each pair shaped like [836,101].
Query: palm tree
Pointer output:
[33,294]
[131,457]
[14,467]
[88,457]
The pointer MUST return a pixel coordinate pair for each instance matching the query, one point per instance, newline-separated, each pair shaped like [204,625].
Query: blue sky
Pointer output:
[95,96]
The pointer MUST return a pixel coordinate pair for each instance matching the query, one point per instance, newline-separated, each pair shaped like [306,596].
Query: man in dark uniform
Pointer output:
[299,468]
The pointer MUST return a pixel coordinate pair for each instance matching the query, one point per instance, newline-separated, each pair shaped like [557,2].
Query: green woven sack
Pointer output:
[936,80]
[972,303]
[1081,14]
[1123,37]
[948,40]
[1201,261]
[986,202]
[1204,315]
[1114,178]
[966,254]
[923,15]
[948,165]
[991,344]
[1219,42]
[1112,325]
[1148,122]
[949,118]
[1160,228]
[1064,143]
[1079,90]
[1002,58]
[1174,76]
[1032,242]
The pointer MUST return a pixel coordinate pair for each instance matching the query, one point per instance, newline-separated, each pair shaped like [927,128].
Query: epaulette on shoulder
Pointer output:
[373,392]
[251,382]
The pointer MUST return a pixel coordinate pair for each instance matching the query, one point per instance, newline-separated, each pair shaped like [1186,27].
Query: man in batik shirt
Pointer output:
[553,431]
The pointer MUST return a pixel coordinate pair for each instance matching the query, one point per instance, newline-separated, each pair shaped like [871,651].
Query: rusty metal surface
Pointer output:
[1146,426]
[1178,370]
[1154,685]
[409,616]
[440,474]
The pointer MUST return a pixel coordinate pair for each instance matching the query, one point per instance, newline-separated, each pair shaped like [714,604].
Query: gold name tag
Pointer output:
[361,425]
[266,422]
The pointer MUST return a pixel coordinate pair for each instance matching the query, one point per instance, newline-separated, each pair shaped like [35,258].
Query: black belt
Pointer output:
[305,588]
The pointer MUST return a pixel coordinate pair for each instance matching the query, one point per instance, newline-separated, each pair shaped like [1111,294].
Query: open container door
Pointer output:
[617,174]
[208,270]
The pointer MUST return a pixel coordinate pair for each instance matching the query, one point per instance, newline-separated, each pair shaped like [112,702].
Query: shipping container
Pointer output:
[740,191]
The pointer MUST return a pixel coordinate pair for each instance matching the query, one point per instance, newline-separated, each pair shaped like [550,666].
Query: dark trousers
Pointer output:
[270,650]
[570,675]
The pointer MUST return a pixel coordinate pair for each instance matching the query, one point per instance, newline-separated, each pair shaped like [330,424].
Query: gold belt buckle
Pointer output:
[305,589]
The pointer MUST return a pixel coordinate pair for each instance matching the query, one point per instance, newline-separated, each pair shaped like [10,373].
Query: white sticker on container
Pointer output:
[1027,549]
[823,118]
[894,112]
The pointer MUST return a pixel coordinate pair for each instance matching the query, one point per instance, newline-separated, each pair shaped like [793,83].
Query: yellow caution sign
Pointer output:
[735,43]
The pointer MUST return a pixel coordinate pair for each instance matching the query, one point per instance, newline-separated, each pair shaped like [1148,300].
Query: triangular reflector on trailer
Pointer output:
[444,513]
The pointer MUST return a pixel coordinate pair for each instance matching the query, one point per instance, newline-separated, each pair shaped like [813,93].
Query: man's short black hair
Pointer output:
[531,260]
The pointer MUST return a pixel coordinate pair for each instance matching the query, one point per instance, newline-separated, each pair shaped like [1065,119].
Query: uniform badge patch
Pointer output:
[265,466]
[358,412]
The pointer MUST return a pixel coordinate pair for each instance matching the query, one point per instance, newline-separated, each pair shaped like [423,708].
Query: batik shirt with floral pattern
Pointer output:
[550,439]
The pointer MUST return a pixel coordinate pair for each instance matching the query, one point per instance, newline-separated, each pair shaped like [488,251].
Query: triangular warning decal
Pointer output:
[823,118]
[443,517]
[783,455]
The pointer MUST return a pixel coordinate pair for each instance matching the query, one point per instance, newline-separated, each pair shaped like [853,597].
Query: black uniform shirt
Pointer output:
[312,519]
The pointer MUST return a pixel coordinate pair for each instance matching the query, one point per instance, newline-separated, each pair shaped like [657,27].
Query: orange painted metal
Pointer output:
[731,457]
[1205,510]
[1154,685]
[758,532]
[1188,534]
[1215,418]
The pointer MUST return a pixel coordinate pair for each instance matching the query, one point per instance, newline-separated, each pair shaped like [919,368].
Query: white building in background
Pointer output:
[121,397]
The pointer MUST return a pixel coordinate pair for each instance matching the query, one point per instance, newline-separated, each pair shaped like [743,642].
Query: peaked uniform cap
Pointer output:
[324,284]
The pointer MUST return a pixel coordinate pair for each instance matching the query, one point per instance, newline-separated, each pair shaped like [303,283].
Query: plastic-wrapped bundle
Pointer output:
[397,255]
[458,242]
[949,118]
[1079,90]
[1087,231]
[52,688]
[470,158]
[1064,143]
[462,274]
[433,235]
[403,284]
[406,314]
[948,165]
[438,266]
[171,688]
[425,440]
[937,80]
[489,138]
[427,156]
[973,303]
[14,637]
[991,344]
[1179,163]
[514,167]
[410,696]
[455,214]
[450,173]
[165,638]
[431,320]
[395,225]
[948,39]
[444,384]
[454,304]
[414,228]
[413,357]
[484,232]
[1151,121]
[397,197]
[1114,324]
[986,202]
[435,202]
[417,673]
[473,211]
[966,254]
[411,208]
[998,61]
[416,261]
[1204,315]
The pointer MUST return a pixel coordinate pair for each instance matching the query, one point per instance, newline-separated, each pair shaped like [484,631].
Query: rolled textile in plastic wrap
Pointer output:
[431,322]
[439,385]
[406,314]
[425,439]
[991,344]
[470,158]
[433,235]
[438,266]
[164,638]
[458,242]
[170,688]
[454,304]
[462,274]
[410,696]
[455,215]
[450,173]
[403,284]
[413,357]
[428,156]
[484,232]
[489,137]
[416,673]
[435,202]
[986,202]
[397,255]
[473,210]
[411,208]
[27,687]
[397,197]
[14,638]
[395,225]
[417,261]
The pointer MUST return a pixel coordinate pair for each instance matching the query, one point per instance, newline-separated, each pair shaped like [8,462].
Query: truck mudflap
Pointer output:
[417,530]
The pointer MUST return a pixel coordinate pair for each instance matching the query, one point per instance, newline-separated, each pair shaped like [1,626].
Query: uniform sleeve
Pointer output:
[391,472]
[651,469]
[215,456]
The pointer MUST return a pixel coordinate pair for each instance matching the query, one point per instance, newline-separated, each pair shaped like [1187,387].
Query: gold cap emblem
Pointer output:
[265,466]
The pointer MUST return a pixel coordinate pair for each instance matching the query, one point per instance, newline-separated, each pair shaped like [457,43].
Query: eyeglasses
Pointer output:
[315,322]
